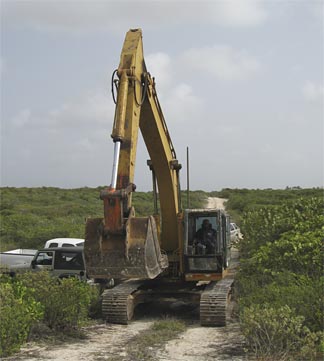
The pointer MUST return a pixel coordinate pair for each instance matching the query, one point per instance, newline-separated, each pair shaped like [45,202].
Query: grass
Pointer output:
[31,216]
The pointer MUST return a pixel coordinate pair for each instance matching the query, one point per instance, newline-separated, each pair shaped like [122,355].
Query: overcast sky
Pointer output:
[240,83]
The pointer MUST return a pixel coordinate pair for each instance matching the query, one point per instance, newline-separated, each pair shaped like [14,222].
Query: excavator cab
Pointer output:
[206,244]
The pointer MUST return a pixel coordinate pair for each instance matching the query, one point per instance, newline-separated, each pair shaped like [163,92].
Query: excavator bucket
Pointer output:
[135,254]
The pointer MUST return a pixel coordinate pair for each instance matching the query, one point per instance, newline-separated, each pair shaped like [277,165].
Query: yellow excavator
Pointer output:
[174,253]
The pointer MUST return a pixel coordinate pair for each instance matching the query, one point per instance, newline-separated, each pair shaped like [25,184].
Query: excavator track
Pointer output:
[118,303]
[214,301]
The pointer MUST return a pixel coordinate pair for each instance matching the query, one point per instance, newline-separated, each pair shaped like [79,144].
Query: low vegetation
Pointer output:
[278,333]
[280,282]
[241,201]
[36,305]
[30,216]
[18,311]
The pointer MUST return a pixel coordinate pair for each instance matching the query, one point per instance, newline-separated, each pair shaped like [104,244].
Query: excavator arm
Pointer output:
[122,245]
[164,166]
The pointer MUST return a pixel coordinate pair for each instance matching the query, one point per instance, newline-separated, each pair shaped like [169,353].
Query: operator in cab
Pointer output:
[205,238]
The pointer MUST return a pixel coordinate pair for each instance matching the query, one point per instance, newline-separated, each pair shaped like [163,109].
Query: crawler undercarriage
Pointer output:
[118,303]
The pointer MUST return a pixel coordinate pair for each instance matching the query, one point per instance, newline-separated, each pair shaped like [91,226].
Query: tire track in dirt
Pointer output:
[103,342]
[205,344]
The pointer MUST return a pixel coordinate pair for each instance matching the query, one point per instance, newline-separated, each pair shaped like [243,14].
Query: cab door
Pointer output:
[44,260]
[203,264]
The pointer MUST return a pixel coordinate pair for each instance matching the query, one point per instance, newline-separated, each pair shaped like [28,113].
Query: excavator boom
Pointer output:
[122,245]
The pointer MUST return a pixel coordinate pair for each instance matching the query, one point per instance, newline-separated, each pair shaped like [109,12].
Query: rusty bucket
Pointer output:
[134,254]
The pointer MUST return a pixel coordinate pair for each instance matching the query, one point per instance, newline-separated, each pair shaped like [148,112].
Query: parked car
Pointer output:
[64,242]
[28,251]
[236,234]
[62,262]
[20,258]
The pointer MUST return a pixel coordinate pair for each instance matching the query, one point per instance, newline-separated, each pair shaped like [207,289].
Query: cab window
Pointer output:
[52,245]
[44,258]
[202,235]
[69,260]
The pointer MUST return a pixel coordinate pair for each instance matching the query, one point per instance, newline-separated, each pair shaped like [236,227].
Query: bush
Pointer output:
[18,311]
[281,266]
[277,334]
[33,297]
[301,293]
[66,302]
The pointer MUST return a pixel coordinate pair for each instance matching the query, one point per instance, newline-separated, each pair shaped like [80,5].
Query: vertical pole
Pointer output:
[188,194]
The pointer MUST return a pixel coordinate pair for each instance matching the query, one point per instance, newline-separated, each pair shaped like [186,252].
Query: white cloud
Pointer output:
[316,9]
[92,109]
[70,142]
[240,13]
[159,65]
[313,91]
[85,143]
[2,65]
[182,105]
[178,99]
[89,111]
[22,118]
[221,61]
[85,15]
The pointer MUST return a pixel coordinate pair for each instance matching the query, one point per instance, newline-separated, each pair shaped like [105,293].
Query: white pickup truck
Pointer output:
[64,242]
[16,259]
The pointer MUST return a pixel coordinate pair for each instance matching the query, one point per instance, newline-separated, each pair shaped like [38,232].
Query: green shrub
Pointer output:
[18,311]
[66,302]
[300,292]
[33,297]
[281,270]
[266,225]
[277,334]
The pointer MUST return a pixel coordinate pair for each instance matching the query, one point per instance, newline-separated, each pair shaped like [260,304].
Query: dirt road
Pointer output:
[103,342]
[214,202]
[109,342]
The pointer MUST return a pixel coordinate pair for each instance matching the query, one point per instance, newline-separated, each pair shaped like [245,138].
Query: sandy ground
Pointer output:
[205,344]
[105,341]
[102,343]
[214,202]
